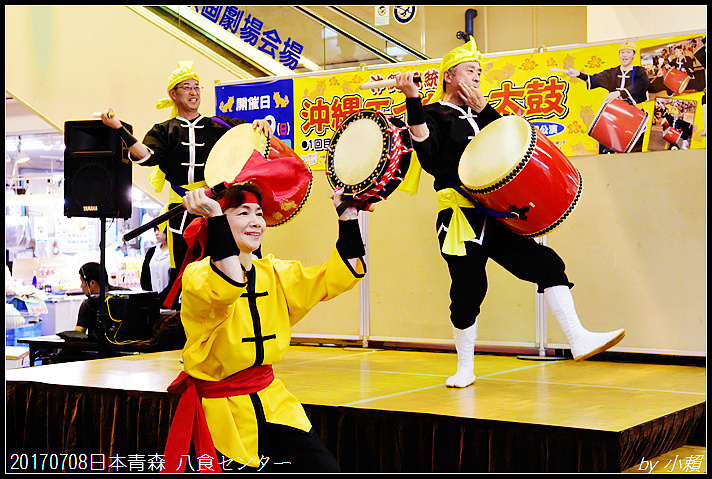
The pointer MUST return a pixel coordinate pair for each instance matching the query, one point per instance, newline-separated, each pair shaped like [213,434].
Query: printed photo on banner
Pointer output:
[673,124]
[678,79]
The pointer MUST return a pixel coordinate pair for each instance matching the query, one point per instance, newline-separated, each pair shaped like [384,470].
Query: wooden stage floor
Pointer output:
[562,398]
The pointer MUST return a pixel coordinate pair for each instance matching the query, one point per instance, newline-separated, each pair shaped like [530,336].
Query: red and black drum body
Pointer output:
[510,166]
[672,135]
[369,155]
[676,80]
[618,125]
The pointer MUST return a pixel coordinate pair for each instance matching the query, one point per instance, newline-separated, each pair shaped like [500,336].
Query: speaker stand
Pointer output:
[102,314]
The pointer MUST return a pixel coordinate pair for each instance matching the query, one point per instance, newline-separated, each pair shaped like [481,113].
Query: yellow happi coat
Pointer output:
[232,326]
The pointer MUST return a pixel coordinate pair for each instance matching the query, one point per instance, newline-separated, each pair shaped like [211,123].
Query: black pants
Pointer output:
[285,449]
[523,257]
[282,449]
[179,246]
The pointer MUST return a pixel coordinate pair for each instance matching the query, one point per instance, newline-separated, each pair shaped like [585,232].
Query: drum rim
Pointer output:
[372,195]
[641,129]
[565,215]
[299,207]
[596,118]
[515,171]
[383,123]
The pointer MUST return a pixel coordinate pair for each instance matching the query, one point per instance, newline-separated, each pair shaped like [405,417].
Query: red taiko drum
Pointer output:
[234,150]
[676,80]
[369,155]
[510,166]
[618,125]
[672,135]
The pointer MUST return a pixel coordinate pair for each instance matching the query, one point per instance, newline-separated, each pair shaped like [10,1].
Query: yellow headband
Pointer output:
[465,53]
[627,46]
[182,73]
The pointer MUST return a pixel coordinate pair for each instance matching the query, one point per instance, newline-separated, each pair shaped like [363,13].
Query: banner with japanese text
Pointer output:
[271,99]
[306,110]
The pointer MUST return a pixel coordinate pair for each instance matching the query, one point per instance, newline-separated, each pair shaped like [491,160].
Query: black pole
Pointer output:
[101,316]
[172,213]
[469,32]
[470,16]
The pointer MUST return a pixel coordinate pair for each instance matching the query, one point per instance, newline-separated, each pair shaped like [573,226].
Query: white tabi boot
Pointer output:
[583,342]
[465,346]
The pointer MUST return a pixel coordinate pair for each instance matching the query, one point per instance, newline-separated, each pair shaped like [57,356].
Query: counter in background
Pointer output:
[61,314]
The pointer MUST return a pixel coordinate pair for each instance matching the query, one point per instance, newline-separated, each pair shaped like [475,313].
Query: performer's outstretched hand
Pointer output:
[349,206]
[109,118]
[263,126]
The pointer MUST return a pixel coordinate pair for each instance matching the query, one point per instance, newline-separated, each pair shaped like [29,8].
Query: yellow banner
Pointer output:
[324,102]
[533,85]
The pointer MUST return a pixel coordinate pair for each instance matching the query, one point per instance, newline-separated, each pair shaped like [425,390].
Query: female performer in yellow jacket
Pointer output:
[237,312]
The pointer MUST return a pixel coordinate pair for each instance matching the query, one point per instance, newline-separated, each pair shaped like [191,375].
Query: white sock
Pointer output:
[465,346]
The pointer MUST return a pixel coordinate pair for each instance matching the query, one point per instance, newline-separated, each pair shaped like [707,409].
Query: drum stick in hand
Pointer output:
[97,114]
[173,212]
[382,84]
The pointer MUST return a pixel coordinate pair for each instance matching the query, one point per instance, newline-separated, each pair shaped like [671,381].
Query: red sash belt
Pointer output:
[189,421]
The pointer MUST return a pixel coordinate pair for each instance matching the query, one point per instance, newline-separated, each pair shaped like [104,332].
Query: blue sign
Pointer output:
[549,128]
[252,30]
[271,100]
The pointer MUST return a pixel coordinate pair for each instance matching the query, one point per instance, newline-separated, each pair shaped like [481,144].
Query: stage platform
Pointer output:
[386,410]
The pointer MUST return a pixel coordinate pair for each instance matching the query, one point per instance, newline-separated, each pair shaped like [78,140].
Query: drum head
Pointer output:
[495,152]
[231,152]
[359,151]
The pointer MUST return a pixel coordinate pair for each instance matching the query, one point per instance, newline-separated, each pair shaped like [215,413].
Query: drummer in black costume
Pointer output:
[675,119]
[625,82]
[178,148]
[441,130]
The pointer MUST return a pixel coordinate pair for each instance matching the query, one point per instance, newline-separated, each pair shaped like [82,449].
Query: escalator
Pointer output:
[330,36]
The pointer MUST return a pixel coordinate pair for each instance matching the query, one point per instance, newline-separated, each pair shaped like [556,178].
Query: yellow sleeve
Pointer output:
[211,315]
[305,287]
[207,292]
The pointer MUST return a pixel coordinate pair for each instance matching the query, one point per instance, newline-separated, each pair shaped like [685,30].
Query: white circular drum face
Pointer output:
[231,152]
[358,151]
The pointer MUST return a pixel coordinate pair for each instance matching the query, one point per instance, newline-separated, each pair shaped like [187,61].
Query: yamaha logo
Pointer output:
[91,208]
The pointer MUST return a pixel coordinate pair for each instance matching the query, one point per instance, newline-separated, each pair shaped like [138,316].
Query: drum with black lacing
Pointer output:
[511,167]
[369,155]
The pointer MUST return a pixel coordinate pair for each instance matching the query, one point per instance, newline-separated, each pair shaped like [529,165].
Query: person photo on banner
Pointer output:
[685,62]
[674,118]
[625,82]
[178,148]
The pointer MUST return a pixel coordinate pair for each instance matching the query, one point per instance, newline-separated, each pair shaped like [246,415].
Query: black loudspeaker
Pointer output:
[97,171]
